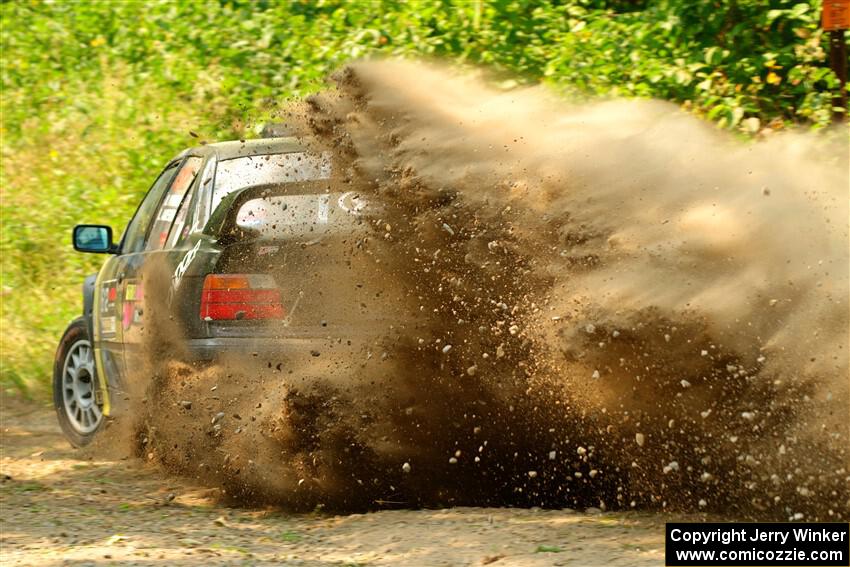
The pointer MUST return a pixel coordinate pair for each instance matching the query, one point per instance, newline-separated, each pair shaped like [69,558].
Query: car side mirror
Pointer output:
[94,238]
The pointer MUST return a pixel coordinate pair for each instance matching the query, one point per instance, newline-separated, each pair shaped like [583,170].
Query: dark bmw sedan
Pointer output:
[244,246]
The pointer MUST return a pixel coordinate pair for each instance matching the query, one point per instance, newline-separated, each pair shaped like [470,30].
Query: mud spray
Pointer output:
[607,304]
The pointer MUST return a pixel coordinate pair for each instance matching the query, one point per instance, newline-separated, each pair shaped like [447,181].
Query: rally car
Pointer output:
[246,236]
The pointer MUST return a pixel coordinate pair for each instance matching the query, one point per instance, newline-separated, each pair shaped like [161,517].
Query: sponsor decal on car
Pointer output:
[184,265]
[351,203]
[107,327]
[133,300]
[266,250]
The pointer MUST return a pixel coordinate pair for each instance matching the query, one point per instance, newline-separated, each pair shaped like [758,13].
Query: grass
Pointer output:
[291,537]
[29,487]
[548,549]
[91,162]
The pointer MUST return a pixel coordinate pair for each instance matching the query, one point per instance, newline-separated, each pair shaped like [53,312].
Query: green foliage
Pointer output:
[97,95]
[290,537]
[731,58]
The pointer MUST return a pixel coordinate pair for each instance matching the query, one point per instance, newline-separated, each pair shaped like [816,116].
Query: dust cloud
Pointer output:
[608,304]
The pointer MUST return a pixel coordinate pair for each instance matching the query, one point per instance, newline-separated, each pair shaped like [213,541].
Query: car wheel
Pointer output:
[74,385]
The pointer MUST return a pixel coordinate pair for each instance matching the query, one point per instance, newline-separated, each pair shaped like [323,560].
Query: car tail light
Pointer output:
[231,297]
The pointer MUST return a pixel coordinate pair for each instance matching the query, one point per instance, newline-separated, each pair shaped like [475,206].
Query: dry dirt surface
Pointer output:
[61,506]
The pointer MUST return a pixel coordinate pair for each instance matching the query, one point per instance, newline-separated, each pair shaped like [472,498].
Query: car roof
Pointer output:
[244,148]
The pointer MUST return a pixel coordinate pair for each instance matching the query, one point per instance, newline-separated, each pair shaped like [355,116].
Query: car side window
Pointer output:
[179,230]
[171,203]
[201,212]
[192,215]
[134,237]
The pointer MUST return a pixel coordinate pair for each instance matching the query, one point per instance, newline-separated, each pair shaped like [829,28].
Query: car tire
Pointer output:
[74,386]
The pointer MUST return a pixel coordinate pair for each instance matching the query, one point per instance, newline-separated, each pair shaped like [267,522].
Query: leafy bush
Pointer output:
[98,95]
[730,58]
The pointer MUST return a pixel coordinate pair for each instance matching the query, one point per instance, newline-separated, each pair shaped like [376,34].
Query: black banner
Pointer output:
[761,544]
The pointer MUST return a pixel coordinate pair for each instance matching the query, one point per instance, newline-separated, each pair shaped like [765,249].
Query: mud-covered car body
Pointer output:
[234,245]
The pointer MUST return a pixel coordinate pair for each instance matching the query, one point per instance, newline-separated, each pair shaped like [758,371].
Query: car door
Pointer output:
[147,257]
[110,289]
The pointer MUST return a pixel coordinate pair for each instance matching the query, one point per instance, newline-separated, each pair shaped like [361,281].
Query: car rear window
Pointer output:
[239,173]
[298,215]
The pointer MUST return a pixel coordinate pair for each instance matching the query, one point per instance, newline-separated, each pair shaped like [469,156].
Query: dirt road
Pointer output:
[60,506]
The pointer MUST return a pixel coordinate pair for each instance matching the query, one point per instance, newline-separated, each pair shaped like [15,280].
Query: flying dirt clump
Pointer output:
[617,305]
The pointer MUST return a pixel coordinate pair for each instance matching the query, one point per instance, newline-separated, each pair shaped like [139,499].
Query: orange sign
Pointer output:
[836,15]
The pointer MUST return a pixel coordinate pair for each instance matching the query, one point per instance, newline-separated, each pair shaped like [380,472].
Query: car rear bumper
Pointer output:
[219,348]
